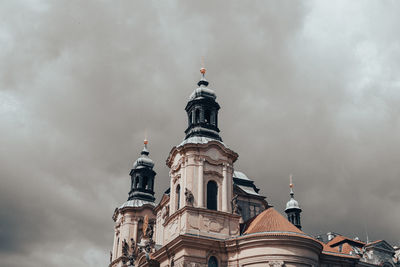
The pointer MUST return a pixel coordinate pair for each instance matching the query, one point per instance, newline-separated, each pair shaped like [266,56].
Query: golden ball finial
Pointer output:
[203,71]
[291,185]
[146,141]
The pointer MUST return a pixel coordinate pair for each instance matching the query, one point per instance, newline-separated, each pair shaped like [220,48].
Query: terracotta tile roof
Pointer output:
[345,245]
[347,248]
[270,221]
[340,238]
[334,251]
[328,248]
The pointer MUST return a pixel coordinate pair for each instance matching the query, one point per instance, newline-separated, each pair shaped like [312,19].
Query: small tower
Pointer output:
[134,220]
[293,209]
[142,177]
[202,111]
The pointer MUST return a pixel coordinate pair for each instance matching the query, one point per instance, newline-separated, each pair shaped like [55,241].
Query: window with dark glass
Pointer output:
[178,196]
[145,181]
[212,262]
[212,195]
[197,115]
[207,116]
[136,181]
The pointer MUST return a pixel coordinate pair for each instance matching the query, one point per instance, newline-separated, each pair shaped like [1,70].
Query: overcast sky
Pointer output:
[310,88]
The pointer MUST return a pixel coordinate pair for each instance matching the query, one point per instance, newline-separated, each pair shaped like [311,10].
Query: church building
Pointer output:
[213,215]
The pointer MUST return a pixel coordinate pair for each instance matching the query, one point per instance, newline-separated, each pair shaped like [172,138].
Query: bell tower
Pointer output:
[201,169]
[142,177]
[135,219]
[202,111]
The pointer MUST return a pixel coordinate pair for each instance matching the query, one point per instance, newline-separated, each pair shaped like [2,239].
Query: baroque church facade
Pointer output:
[213,215]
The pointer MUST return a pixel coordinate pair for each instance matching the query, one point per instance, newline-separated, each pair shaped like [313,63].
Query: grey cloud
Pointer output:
[306,88]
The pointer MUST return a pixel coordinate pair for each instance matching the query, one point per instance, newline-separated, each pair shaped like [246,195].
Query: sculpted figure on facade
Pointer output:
[235,205]
[189,197]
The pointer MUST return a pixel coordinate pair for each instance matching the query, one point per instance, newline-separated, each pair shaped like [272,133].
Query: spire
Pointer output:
[293,209]
[142,177]
[291,186]
[202,111]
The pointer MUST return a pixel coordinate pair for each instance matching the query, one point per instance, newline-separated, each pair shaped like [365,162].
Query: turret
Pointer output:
[142,177]
[202,111]
[293,209]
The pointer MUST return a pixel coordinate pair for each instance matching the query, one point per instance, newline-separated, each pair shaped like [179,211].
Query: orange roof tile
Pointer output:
[270,221]
[328,248]
[341,238]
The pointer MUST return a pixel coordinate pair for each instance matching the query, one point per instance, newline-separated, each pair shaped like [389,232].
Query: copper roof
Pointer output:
[271,221]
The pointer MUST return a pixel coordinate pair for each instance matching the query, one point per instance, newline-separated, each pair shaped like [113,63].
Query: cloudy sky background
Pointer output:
[310,88]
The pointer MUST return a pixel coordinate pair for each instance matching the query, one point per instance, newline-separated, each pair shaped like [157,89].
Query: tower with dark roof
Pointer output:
[202,111]
[293,209]
[142,177]
[135,219]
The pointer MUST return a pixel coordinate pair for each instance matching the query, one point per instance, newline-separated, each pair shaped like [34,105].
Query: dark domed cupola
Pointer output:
[142,177]
[202,111]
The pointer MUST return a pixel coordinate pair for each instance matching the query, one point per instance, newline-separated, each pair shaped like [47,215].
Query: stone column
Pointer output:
[182,185]
[224,189]
[172,194]
[230,187]
[200,191]
[135,229]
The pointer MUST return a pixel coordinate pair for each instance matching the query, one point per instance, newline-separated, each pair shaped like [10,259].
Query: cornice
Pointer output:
[263,239]
[189,146]
[198,210]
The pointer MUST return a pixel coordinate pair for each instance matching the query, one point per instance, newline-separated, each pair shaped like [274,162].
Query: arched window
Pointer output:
[145,181]
[212,262]
[178,196]
[197,116]
[136,181]
[212,195]
[207,116]
[190,119]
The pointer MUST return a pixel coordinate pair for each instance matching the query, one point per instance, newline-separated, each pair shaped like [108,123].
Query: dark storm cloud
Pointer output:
[308,88]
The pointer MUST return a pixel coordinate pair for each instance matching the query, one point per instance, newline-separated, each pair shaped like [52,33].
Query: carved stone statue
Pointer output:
[133,244]
[150,232]
[235,205]
[189,197]
[145,226]
[125,248]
